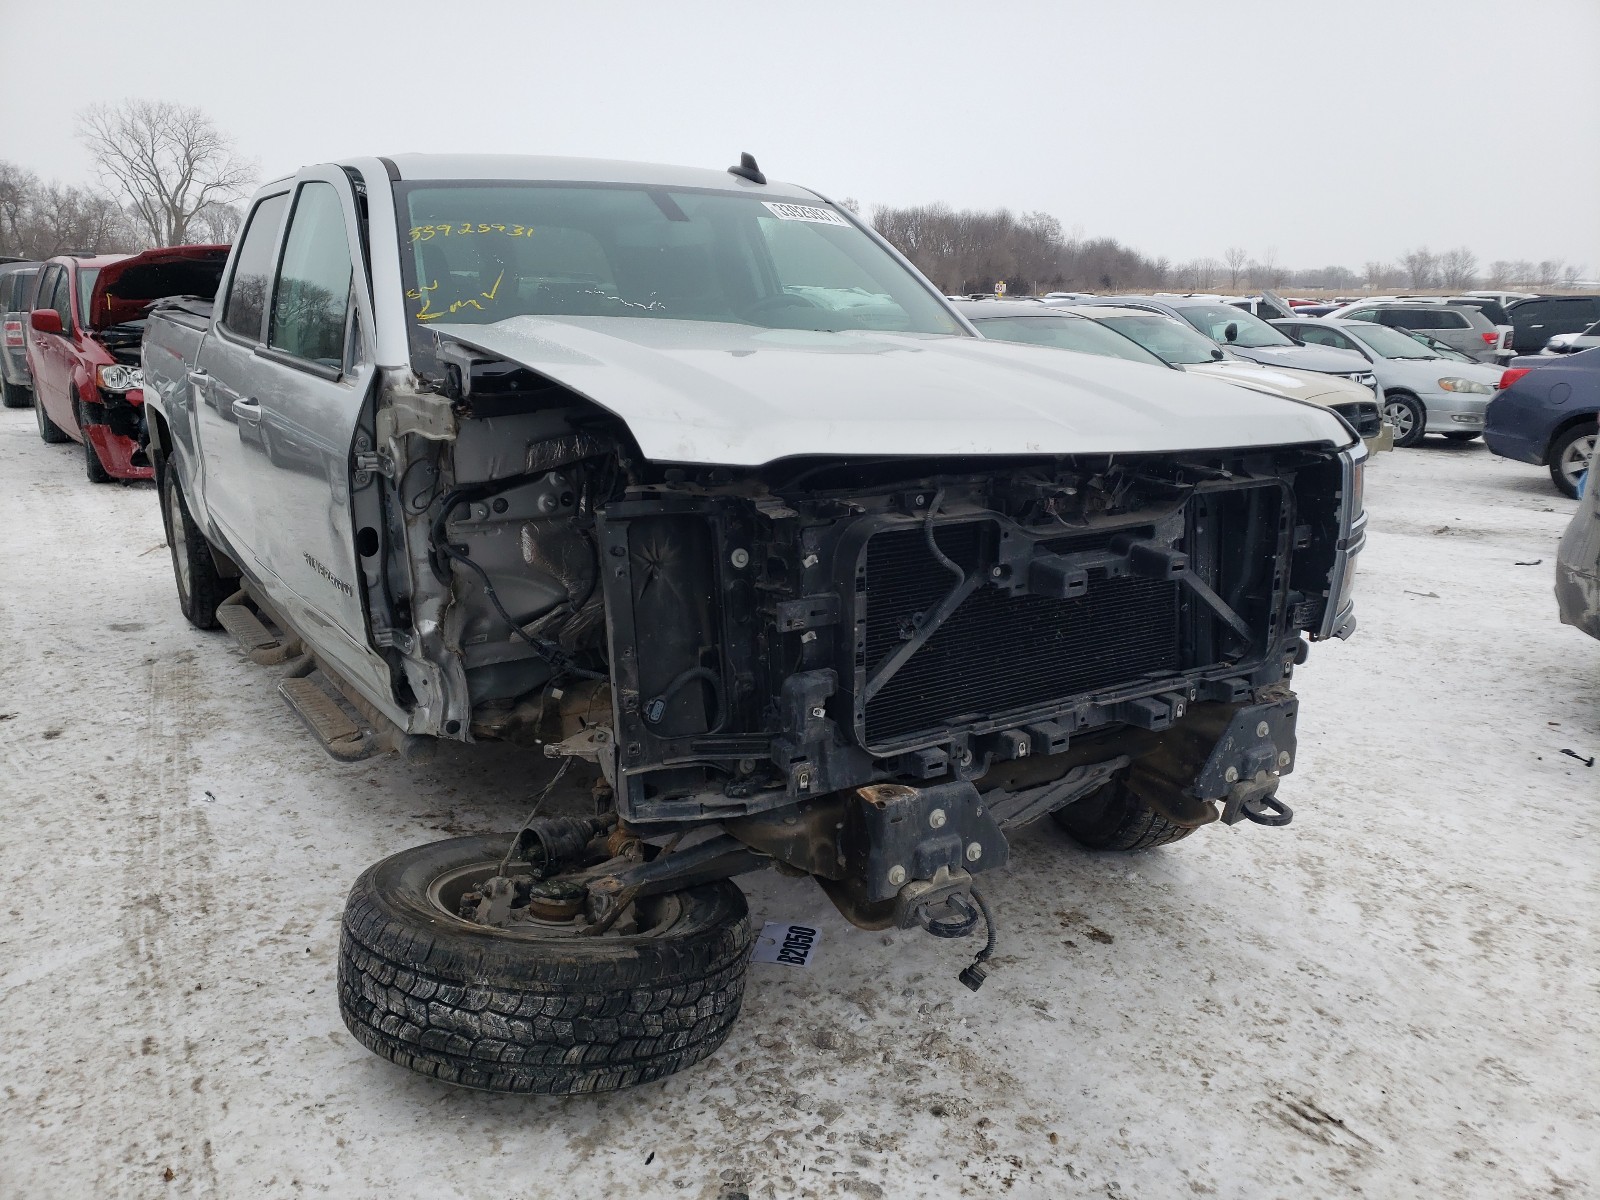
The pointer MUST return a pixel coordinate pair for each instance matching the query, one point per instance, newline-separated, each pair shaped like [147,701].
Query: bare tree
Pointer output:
[1375,272]
[1422,266]
[38,219]
[168,160]
[1267,273]
[1499,273]
[1235,257]
[1458,268]
[218,223]
[1547,272]
[1570,274]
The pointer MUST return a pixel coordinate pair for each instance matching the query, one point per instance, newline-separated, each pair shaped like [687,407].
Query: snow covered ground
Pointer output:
[1395,996]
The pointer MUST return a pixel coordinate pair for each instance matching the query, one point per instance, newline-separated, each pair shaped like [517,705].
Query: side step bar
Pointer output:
[339,735]
[349,728]
[260,645]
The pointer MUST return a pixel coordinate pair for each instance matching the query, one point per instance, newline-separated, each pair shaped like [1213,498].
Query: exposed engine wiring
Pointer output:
[682,680]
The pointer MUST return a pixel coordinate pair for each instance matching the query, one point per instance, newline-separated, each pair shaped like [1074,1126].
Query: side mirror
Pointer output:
[45,320]
[1219,354]
[1231,333]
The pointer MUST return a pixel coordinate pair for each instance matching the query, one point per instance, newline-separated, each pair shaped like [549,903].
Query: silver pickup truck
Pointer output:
[690,484]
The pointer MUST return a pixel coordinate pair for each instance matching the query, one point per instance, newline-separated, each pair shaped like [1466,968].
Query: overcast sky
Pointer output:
[1330,132]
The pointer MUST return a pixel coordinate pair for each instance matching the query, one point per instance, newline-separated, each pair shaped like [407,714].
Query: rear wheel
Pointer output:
[1569,457]
[92,465]
[49,431]
[15,395]
[1113,818]
[534,1007]
[194,570]
[1405,412]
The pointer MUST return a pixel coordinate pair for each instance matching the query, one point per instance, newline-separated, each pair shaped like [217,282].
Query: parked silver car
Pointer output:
[1422,392]
[1248,336]
[1464,327]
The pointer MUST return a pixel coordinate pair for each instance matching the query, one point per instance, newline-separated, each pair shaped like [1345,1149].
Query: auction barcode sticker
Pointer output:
[804,212]
[781,942]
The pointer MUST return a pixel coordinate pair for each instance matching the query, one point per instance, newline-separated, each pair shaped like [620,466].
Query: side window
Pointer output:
[1313,336]
[1361,314]
[1531,313]
[1450,319]
[47,283]
[313,289]
[246,302]
[61,298]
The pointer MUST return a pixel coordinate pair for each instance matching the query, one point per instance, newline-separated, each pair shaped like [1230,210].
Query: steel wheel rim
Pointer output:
[1401,417]
[658,914]
[1575,460]
[175,539]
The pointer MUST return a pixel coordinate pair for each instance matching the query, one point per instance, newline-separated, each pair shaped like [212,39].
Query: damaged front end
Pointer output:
[866,671]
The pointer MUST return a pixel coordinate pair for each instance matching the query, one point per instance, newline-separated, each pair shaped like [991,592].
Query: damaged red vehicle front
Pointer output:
[83,348]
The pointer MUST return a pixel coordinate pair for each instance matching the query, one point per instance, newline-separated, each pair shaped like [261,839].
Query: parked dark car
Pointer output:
[1540,318]
[1548,413]
[16,284]
[83,347]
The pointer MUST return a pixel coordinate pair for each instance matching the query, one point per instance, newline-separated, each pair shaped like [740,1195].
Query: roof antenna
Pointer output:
[747,169]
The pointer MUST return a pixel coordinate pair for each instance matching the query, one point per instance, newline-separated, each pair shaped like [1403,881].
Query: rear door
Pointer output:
[221,382]
[1571,314]
[1537,321]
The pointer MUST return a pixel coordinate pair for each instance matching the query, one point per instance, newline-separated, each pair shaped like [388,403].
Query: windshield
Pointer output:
[1064,333]
[1213,321]
[86,278]
[480,253]
[1390,343]
[1171,340]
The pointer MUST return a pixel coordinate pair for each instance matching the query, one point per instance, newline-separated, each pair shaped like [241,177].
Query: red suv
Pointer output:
[83,347]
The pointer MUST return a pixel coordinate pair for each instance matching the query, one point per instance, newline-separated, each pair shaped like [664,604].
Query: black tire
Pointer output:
[490,1009]
[194,570]
[1113,818]
[1463,436]
[14,395]
[1405,411]
[1568,454]
[49,431]
[93,467]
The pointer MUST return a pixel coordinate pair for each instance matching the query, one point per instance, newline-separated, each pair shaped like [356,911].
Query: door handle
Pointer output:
[199,375]
[247,410]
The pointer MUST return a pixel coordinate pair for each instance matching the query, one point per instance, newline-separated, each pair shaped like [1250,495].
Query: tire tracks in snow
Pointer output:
[170,901]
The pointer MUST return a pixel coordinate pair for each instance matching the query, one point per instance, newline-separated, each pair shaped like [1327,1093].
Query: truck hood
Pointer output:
[125,290]
[740,395]
[1312,386]
[1305,358]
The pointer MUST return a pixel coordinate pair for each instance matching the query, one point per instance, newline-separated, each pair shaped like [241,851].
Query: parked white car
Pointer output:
[1423,392]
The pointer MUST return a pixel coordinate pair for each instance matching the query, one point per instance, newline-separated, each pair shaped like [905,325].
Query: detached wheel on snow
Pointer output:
[1113,818]
[534,1006]
[200,587]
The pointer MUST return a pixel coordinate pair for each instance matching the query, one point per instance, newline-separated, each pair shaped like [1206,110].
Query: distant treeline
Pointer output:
[970,250]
